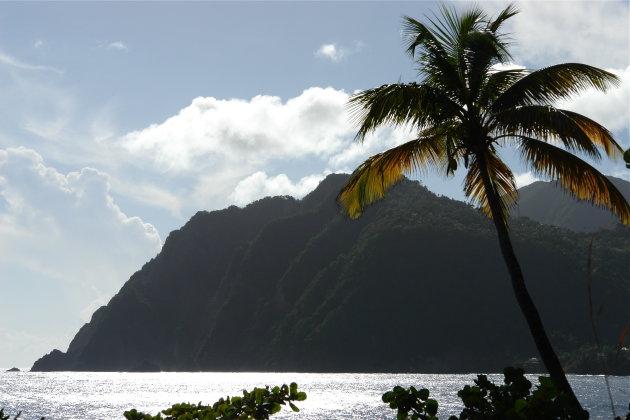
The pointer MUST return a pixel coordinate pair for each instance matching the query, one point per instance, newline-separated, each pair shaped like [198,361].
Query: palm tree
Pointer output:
[464,108]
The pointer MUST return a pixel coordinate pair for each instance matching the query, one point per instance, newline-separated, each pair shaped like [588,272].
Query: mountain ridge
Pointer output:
[286,284]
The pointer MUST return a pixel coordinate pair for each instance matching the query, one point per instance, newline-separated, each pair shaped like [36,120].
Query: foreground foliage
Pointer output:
[4,416]
[258,404]
[515,400]
[7,416]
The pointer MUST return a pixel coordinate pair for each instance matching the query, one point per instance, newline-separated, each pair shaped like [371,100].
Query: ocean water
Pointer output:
[98,395]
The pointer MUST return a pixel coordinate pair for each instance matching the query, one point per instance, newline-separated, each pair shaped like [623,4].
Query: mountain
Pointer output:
[415,285]
[548,203]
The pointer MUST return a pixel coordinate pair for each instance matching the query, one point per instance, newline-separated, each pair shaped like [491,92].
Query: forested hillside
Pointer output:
[416,285]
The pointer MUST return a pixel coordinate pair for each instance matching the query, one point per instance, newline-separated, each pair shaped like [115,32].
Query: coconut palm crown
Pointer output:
[467,104]
[465,108]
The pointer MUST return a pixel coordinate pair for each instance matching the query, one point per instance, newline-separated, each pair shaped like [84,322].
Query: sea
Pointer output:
[106,395]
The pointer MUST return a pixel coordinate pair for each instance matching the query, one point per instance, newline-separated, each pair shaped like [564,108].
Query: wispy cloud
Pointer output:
[330,51]
[152,195]
[18,64]
[38,43]
[336,53]
[118,45]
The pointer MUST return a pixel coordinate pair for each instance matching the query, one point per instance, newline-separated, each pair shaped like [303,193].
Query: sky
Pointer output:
[120,120]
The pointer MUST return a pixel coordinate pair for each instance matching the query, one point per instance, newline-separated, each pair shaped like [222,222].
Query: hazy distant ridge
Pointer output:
[547,203]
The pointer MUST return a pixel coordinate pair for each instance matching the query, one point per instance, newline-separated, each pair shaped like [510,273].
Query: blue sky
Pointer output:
[120,120]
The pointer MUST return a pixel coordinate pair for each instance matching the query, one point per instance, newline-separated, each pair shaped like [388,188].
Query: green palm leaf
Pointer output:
[483,50]
[438,66]
[419,37]
[505,14]
[550,84]
[496,83]
[575,131]
[400,104]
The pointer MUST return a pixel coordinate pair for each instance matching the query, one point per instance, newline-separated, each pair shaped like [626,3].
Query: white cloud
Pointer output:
[525,179]
[507,66]
[225,148]
[259,185]
[19,64]
[68,227]
[38,43]
[335,53]
[214,132]
[118,45]
[213,188]
[591,32]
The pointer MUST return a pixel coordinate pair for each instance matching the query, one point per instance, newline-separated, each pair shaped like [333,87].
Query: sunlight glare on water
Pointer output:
[106,395]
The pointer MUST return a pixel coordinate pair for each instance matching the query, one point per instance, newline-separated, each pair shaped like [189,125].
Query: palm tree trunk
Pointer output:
[547,354]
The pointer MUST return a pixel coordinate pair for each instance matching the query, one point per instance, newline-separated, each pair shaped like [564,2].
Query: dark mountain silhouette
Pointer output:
[416,285]
[547,203]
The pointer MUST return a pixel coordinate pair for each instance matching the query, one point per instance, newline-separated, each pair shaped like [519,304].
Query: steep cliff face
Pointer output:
[416,284]
[162,310]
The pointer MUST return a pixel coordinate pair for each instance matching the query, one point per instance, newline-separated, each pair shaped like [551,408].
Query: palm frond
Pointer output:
[418,36]
[483,49]
[505,14]
[597,133]
[453,28]
[436,63]
[550,84]
[457,33]
[502,180]
[376,175]
[575,131]
[576,176]
[400,104]
[496,83]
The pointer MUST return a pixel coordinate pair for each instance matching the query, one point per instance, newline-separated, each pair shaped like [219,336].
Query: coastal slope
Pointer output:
[415,285]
